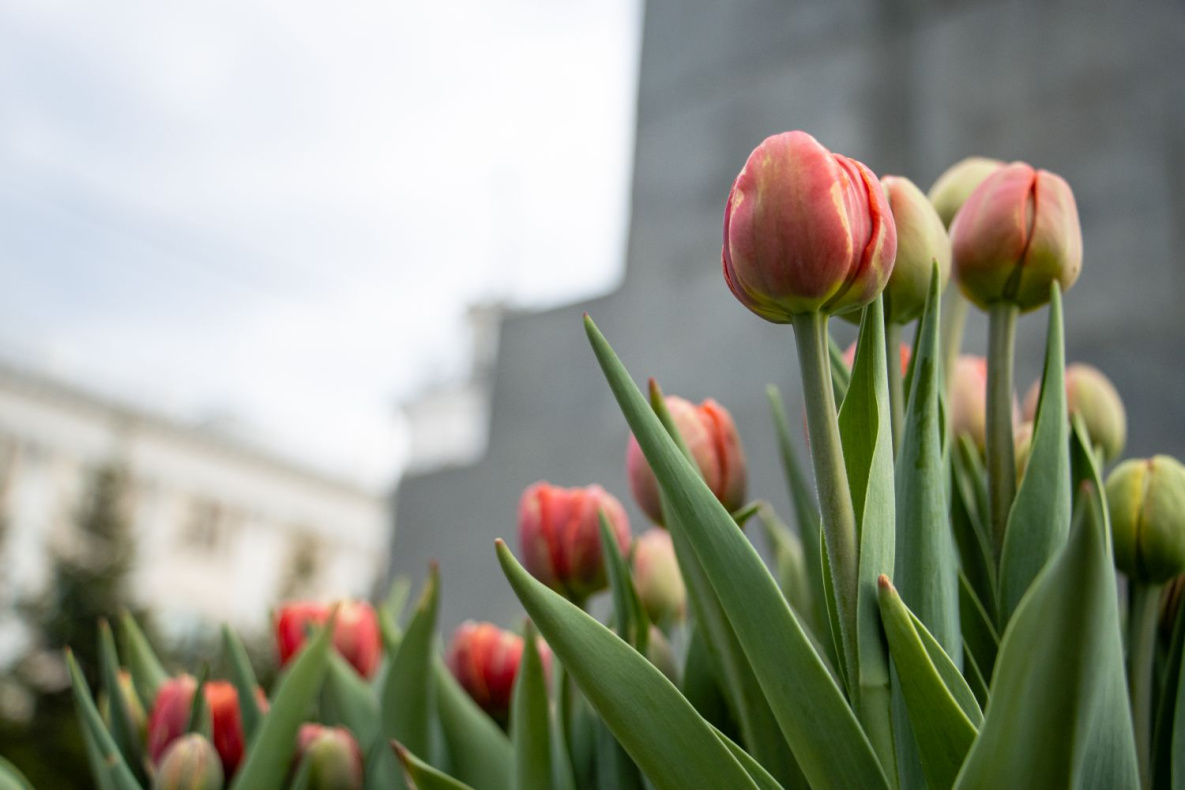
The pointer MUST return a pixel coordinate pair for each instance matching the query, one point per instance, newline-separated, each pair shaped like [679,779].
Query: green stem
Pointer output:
[831,476]
[954,318]
[1143,617]
[896,380]
[1001,458]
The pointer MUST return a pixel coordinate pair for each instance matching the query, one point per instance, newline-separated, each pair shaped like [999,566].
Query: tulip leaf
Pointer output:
[828,743]
[756,771]
[243,678]
[406,698]
[267,761]
[1040,517]
[747,700]
[632,696]
[350,703]
[422,776]
[127,739]
[480,754]
[866,433]
[100,769]
[1168,735]
[11,777]
[1058,714]
[806,517]
[701,686]
[789,562]
[107,763]
[529,721]
[147,673]
[975,677]
[840,374]
[968,494]
[630,617]
[199,718]
[978,632]
[943,732]
[615,769]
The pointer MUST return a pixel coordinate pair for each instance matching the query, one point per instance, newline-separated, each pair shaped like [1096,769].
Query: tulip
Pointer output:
[485,659]
[190,763]
[656,576]
[171,711]
[356,633]
[906,353]
[1146,501]
[1017,234]
[954,186]
[921,242]
[711,436]
[559,530]
[1091,396]
[806,231]
[335,760]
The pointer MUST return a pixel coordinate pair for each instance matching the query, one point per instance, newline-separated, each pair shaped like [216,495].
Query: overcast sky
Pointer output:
[277,212]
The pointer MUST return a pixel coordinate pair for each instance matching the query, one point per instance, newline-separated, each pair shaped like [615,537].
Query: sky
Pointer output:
[272,215]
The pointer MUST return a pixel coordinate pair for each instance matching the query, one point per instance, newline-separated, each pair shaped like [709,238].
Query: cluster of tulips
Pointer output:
[947,613]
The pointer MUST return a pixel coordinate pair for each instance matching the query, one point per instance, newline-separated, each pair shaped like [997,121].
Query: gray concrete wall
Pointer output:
[1092,90]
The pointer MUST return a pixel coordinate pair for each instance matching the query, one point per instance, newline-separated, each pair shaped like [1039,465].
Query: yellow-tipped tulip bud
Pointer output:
[1146,500]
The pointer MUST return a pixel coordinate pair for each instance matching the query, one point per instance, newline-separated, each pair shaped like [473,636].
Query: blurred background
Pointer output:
[290,296]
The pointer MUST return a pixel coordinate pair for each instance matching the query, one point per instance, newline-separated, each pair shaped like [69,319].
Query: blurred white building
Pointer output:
[218,525]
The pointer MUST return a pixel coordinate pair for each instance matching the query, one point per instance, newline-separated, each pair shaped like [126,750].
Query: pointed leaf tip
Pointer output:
[883,582]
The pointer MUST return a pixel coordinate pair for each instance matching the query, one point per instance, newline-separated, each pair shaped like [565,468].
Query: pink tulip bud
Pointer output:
[953,187]
[356,632]
[1091,396]
[1017,233]
[711,436]
[190,763]
[805,231]
[485,660]
[171,711]
[560,534]
[921,242]
[849,357]
[335,760]
[657,578]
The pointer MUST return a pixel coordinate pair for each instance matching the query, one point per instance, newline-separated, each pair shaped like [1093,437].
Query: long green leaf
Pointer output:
[243,678]
[1040,517]
[350,703]
[480,754]
[422,776]
[701,686]
[147,673]
[406,699]
[979,634]
[789,562]
[270,755]
[943,730]
[115,772]
[828,743]
[1058,714]
[866,433]
[968,495]
[529,722]
[633,697]
[1168,736]
[631,621]
[840,374]
[124,731]
[11,777]
[756,771]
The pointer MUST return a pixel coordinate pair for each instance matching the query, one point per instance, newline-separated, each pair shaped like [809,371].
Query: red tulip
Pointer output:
[485,659]
[355,635]
[559,531]
[805,231]
[1016,234]
[335,758]
[171,711]
[711,435]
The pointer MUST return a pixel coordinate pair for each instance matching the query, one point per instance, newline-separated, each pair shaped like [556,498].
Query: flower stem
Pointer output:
[954,318]
[896,380]
[1001,459]
[831,476]
[1143,615]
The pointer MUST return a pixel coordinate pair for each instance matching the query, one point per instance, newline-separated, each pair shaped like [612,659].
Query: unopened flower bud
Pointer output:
[657,578]
[967,403]
[356,633]
[1146,501]
[485,660]
[922,241]
[560,534]
[171,711]
[1017,234]
[1091,396]
[849,356]
[335,760]
[190,763]
[660,653]
[711,435]
[806,231]
[954,186]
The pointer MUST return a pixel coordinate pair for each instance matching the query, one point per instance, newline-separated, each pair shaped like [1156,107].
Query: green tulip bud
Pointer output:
[921,241]
[190,762]
[1146,500]
[657,578]
[954,186]
[1091,396]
